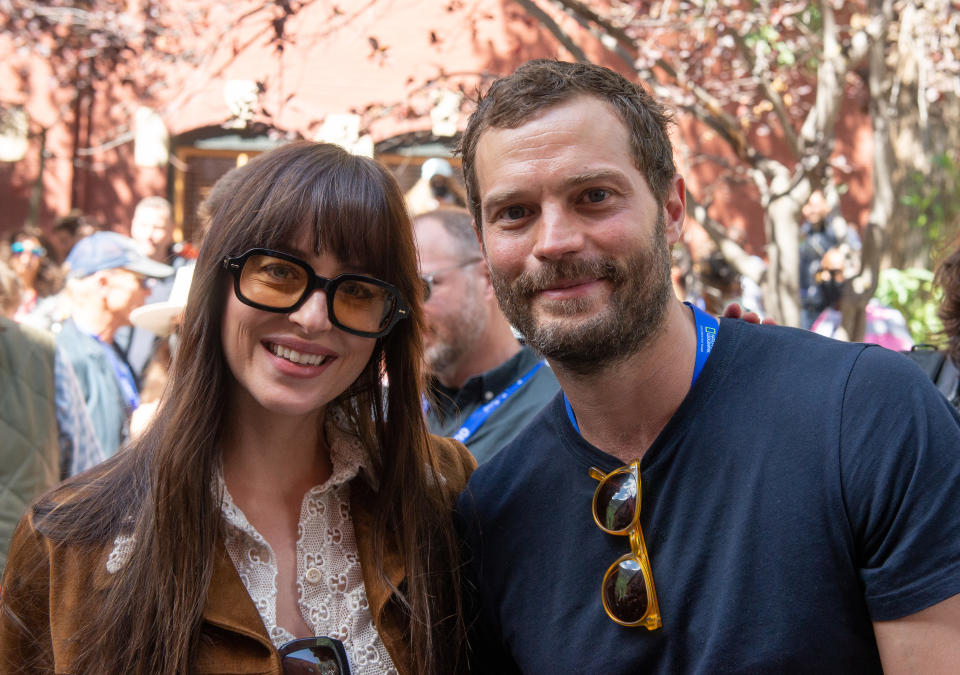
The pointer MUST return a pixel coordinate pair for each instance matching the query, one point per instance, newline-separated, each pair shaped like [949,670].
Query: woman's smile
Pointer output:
[291,363]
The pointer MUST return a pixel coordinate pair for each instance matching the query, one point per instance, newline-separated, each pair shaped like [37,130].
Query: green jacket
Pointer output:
[29,451]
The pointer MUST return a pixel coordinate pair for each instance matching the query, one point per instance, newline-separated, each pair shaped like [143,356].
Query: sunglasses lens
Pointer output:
[363,306]
[311,661]
[625,591]
[616,501]
[272,282]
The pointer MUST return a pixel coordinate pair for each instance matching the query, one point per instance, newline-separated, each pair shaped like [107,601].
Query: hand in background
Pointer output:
[735,311]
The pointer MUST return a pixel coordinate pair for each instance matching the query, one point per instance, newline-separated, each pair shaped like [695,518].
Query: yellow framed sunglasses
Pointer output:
[629,596]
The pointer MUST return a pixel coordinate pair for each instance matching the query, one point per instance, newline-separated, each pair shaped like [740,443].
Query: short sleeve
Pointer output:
[900,473]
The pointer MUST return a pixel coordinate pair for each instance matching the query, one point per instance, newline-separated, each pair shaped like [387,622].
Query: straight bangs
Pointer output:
[348,205]
[319,196]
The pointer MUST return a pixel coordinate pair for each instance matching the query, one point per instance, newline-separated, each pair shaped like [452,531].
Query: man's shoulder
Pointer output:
[522,460]
[811,350]
[807,366]
[25,335]
[86,356]
[788,352]
[77,343]
[68,332]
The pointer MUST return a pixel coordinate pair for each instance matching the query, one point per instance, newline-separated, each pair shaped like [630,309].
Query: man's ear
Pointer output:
[675,209]
[483,275]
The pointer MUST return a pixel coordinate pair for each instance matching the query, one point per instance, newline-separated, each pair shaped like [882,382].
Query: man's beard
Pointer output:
[634,314]
[445,349]
[444,354]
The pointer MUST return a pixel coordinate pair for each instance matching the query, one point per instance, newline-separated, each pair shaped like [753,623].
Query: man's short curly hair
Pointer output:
[543,83]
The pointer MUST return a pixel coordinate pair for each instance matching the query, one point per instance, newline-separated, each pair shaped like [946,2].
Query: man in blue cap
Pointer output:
[108,277]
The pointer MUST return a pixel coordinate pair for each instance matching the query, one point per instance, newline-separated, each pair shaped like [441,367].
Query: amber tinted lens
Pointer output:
[363,306]
[624,590]
[615,503]
[311,661]
[272,282]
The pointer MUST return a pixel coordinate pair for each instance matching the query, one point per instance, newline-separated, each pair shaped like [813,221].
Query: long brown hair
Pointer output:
[159,489]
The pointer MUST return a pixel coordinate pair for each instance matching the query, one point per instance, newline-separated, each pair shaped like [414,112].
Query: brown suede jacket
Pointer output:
[40,606]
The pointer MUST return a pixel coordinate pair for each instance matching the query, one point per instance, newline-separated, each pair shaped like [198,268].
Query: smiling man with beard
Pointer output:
[632,316]
[473,357]
[702,496]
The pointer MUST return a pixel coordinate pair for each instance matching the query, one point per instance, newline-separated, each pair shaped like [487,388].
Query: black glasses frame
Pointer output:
[400,309]
[322,642]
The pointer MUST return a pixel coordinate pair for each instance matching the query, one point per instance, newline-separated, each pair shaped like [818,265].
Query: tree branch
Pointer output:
[820,122]
[611,29]
[708,109]
[547,21]
[732,252]
[790,135]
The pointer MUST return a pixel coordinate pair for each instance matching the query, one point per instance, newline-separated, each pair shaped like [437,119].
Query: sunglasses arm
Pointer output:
[652,620]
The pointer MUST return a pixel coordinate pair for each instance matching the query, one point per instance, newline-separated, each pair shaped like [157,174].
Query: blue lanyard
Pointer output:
[480,415]
[707,327]
[128,385]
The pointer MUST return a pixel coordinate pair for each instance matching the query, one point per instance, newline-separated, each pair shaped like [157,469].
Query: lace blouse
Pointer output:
[332,597]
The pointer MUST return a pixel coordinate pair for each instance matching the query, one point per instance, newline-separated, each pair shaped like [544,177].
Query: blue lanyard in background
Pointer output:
[707,327]
[128,385]
[480,415]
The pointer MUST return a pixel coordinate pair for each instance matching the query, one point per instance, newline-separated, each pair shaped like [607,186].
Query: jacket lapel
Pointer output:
[229,605]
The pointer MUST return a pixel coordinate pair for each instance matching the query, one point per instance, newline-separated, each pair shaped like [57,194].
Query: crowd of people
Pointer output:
[369,432]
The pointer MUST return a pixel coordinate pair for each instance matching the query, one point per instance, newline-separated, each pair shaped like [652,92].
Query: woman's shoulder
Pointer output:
[454,460]
[51,530]
[82,516]
[41,570]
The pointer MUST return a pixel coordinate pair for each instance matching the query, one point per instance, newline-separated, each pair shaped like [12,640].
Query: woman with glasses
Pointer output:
[41,277]
[283,503]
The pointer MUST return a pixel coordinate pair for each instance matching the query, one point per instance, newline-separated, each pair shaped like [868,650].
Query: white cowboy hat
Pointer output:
[156,317]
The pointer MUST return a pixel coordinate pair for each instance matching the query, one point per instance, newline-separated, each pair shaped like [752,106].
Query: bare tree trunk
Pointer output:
[921,128]
[781,293]
[864,284]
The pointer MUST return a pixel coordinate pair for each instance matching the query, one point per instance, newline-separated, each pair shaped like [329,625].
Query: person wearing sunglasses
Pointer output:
[41,277]
[284,511]
[485,386]
[702,496]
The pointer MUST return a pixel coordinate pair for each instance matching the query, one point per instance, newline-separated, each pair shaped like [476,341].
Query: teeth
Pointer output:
[297,357]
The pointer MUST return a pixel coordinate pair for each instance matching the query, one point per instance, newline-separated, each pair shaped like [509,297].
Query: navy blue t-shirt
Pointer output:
[805,488]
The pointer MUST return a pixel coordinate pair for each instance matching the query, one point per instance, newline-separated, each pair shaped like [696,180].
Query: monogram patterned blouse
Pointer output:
[332,598]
